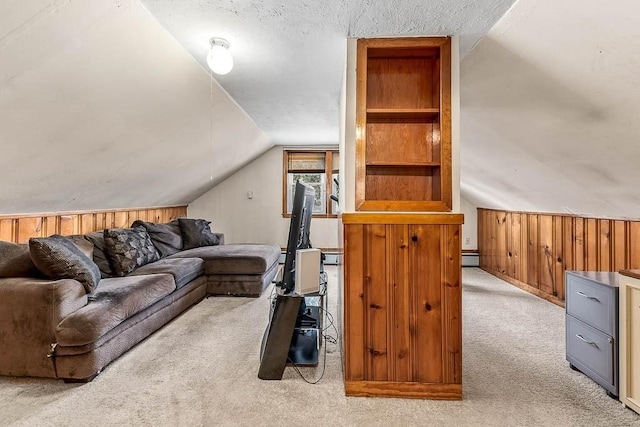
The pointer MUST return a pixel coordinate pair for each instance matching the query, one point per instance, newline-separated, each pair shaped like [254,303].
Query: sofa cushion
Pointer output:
[234,259]
[59,258]
[196,233]
[183,270]
[15,261]
[167,238]
[99,253]
[128,249]
[114,301]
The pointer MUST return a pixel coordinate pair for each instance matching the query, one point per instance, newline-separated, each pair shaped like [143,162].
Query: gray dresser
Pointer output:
[592,326]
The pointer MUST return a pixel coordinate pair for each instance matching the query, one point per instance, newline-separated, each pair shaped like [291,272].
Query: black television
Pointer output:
[299,232]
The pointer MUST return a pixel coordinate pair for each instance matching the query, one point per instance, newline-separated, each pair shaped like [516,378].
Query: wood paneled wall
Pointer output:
[20,228]
[532,250]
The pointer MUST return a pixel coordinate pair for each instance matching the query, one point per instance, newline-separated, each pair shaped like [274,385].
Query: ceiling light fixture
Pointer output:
[219,58]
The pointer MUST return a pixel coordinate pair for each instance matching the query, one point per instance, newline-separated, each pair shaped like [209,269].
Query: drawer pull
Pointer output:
[587,341]
[588,296]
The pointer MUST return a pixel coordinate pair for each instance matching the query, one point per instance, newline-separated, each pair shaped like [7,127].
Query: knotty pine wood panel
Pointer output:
[634,245]
[426,281]
[401,317]
[545,252]
[556,257]
[567,253]
[6,230]
[619,245]
[591,246]
[501,240]
[20,228]
[579,244]
[452,304]
[402,306]
[604,245]
[524,247]
[355,345]
[376,301]
[549,244]
[532,252]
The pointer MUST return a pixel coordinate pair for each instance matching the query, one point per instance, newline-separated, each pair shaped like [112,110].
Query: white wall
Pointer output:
[550,106]
[257,220]
[470,226]
[100,107]
[348,137]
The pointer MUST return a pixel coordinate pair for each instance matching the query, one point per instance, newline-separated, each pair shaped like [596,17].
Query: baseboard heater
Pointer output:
[470,259]
[330,258]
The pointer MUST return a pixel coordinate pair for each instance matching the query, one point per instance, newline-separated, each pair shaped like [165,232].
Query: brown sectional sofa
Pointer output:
[54,328]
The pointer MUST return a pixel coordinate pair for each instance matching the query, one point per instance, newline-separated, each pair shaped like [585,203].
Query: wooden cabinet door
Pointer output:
[402,314]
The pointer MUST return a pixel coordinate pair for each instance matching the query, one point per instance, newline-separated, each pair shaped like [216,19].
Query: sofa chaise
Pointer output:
[100,295]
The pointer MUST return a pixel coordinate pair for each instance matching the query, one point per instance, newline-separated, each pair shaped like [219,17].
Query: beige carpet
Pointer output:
[201,370]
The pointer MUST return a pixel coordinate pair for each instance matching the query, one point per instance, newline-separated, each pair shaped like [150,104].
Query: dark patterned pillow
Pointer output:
[58,258]
[15,261]
[196,233]
[128,249]
[167,238]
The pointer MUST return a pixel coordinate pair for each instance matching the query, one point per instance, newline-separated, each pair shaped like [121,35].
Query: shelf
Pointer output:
[419,114]
[403,164]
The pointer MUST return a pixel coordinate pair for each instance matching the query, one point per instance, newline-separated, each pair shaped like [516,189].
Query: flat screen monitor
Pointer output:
[299,231]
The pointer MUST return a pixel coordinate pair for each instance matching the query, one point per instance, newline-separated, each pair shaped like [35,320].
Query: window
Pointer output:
[316,169]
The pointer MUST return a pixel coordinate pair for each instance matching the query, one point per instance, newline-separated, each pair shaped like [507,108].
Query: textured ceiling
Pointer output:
[290,55]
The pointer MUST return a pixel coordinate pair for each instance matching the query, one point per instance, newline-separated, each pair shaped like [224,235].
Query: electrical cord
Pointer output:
[327,339]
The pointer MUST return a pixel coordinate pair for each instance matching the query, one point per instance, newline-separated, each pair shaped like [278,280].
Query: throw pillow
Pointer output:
[196,233]
[85,246]
[167,238]
[58,258]
[128,249]
[15,261]
[99,253]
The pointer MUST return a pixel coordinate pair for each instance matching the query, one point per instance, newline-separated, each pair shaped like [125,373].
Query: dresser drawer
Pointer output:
[591,348]
[592,302]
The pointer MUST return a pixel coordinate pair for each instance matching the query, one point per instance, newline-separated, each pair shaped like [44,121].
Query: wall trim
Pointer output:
[20,228]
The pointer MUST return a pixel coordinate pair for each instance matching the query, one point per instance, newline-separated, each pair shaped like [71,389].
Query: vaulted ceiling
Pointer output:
[290,55]
[550,102]
[108,103]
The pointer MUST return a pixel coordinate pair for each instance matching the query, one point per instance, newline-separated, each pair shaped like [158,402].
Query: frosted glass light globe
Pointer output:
[219,59]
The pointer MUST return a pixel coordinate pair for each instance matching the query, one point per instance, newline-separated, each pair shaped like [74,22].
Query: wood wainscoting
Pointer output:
[532,250]
[19,228]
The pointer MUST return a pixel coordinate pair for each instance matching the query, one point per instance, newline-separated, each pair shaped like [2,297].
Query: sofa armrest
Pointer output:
[220,237]
[30,309]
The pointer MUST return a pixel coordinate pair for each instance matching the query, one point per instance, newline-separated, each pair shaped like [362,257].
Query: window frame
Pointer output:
[328,171]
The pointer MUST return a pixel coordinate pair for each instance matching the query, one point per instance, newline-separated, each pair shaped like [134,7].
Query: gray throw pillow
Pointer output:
[58,258]
[196,233]
[85,246]
[128,249]
[99,253]
[165,237]
[15,261]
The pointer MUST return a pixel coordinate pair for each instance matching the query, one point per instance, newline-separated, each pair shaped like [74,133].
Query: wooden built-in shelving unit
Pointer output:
[403,113]
[402,315]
